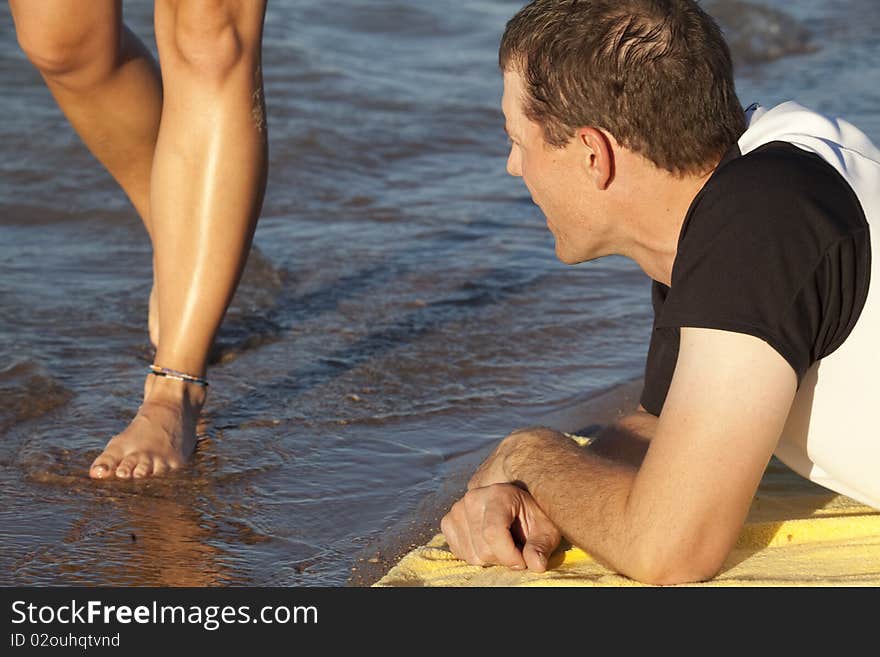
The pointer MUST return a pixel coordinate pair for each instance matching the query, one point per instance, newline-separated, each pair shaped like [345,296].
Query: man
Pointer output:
[627,131]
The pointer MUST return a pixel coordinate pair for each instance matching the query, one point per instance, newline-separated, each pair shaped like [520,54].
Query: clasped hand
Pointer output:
[498,522]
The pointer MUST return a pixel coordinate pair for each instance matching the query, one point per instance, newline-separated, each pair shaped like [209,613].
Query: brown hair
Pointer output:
[656,74]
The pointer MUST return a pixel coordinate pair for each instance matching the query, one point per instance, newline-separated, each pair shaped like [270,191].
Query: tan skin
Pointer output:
[188,145]
[666,504]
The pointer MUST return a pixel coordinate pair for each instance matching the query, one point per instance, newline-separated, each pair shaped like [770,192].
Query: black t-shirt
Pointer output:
[775,245]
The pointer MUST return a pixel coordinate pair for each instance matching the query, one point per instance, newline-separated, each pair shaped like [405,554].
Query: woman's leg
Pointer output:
[206,191]
[107,84]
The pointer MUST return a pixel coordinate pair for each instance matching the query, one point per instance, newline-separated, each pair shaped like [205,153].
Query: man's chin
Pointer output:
[566,258]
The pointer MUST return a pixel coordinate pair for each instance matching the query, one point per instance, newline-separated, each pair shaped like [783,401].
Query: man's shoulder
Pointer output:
[780,167]
[780,190]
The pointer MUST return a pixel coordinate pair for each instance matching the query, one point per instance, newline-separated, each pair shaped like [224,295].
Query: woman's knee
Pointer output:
[77,53]
[210,38]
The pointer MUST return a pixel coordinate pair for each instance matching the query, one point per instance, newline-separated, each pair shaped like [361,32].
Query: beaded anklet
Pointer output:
[179,376]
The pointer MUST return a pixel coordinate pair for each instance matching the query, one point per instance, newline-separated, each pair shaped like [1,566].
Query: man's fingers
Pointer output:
[447,526]
[541,538]
[455,528]
[477,528]
[461,536]
[496,537]
[537,551]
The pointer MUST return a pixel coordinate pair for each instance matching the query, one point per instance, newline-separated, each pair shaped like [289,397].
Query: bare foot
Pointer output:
[161,437]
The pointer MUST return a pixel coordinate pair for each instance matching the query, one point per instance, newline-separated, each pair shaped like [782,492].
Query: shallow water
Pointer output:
[403,306]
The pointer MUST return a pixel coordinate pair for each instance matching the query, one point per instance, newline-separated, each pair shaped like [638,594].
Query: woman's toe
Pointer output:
[104,466]
[125,468]
[143,468]
[160,467]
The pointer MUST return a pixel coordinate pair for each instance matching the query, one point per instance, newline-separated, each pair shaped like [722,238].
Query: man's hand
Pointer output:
[491,471]
[500,524]
[494,470]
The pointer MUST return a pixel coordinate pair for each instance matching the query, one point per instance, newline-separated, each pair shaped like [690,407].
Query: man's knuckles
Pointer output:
[484,555]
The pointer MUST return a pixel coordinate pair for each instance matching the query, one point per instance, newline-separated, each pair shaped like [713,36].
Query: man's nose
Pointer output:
[513,164]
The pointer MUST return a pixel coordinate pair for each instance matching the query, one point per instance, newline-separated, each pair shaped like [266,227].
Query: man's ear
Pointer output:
[598,156]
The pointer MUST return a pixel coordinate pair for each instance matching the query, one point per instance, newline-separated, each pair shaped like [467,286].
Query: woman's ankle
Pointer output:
[169,391]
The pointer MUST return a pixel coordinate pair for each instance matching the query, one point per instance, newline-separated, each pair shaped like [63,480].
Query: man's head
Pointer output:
[655,74]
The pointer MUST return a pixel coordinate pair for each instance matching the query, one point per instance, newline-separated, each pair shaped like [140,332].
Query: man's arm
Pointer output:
[625,440]
[675,517]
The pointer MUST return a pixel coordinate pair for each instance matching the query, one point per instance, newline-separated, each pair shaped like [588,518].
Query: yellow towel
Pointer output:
[796,534]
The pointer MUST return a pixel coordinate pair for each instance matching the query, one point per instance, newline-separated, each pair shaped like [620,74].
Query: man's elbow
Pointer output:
[683,564]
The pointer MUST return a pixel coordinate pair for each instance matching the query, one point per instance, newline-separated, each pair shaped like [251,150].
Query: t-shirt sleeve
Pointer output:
[775,251]
[661,359]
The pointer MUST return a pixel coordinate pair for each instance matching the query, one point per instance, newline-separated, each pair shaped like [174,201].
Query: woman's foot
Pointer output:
[162,436]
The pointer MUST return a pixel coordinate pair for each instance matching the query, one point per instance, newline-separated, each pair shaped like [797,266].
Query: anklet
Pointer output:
[179,376]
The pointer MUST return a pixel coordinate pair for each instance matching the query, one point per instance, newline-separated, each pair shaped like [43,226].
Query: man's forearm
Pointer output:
[583,493]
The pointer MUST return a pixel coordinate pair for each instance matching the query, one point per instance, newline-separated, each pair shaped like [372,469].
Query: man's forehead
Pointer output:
[507,127]
[510,100]
[510,89]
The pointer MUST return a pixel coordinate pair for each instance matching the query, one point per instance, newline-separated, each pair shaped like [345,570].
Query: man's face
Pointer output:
[554,176]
